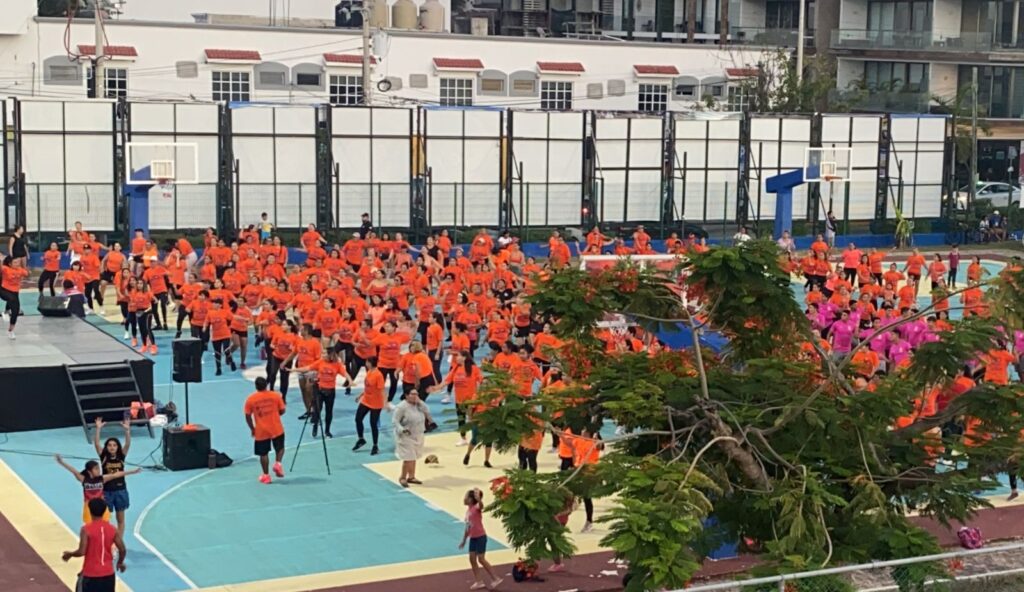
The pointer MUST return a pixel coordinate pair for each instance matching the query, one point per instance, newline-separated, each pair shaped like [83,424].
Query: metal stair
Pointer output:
[105,390]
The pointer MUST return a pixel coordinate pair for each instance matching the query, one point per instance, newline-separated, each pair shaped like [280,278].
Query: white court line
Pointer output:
[137,530]
[53,514]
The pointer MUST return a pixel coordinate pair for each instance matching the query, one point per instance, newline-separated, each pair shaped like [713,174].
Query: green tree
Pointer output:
[780,446]
[776,88]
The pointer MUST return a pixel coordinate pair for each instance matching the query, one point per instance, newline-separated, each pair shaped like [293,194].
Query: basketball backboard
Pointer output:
[828,164]
[150,163]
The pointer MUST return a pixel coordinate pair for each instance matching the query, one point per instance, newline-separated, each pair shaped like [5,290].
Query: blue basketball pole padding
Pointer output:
[137,200]
[782,186]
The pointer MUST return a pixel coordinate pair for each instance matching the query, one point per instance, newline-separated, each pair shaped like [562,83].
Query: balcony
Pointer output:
[882,101]
[767,37]
[931,41]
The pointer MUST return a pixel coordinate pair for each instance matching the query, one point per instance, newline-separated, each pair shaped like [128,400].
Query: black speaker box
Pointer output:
[188,360]
[186,449]
[54,306]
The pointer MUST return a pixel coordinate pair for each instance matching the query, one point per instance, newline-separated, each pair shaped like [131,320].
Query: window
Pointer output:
[272,78]
[346,90]
[739,98]
[524,85]
[555,95]
[456,92]
[115,83]
[652,98]
[309,79]
[686,90]
[785,14]
[999,90]
[900,15]
[230,86]
[495,85]
[896,77]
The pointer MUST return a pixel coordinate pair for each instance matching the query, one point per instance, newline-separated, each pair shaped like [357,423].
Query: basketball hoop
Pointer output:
[166,188]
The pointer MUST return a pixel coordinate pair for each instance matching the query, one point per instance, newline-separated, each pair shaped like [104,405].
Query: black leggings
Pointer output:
[220,350]
[374,420]
[325,400]
[277,367]
[160,310]
[93,294]
[355,365]
[47,277]
[528,459]
[951,277]
[850,273]
[131,324]
[198,333]
[13,304]
[389,374]
[182,314]
[144,320]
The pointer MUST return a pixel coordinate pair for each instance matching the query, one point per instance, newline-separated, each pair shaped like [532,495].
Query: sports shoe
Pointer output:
[218,372]
[231,363]
[465,460]
[328,433]
[135,342]
[445,400]
[462,442]
[152,348]
[557,567]
[127,336]
[10,335]
[278,470]
[142,348]
[553,450]
[374,451]
[243,366]
[478,586]
[391,407]
[589,526]
[487,464]
[265,479]
[495,583]
[359,444]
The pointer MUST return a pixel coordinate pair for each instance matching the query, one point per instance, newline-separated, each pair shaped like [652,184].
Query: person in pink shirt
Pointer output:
[477,537]
[900,351]
[841,334]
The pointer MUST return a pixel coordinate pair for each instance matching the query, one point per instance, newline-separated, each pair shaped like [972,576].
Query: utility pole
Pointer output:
[366,50]
[801,26]
[972,184]
[97,64]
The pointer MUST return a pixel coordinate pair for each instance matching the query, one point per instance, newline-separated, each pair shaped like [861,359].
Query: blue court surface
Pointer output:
[206,528]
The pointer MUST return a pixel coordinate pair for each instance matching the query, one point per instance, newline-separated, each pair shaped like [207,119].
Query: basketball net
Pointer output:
[166,188]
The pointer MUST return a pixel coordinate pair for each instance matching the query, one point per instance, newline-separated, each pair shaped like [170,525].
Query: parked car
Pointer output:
[999,195]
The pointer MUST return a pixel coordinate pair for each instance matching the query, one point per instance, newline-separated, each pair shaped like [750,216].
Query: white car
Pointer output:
[1000,195]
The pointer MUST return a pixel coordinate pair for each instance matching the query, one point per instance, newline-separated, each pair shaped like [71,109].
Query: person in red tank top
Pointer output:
[95,540]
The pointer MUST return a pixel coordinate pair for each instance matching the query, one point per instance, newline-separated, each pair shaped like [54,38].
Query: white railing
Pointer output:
[973,567]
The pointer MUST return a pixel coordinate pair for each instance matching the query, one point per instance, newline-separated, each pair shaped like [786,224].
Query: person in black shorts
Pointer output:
[112,458]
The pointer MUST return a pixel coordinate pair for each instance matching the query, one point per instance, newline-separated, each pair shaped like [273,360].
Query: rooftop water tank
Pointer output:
[403,14]
[432,16]
[378,13]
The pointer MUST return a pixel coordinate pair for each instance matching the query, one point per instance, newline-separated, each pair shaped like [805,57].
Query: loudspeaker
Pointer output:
[54,306]
[188,358]
[186,449]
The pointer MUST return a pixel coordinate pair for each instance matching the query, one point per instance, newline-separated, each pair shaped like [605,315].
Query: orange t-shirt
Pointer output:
[284,345]
[389,349]
[12,277]
[51,261]
[997,366]
[114,261]
[219,322]
[266,408]
[327,373]
[373,390]
[138,246]
[465,384]
[915,263]
[435,335]
[307,351]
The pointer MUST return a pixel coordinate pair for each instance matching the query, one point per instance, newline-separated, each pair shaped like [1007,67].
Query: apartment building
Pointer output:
[915,55]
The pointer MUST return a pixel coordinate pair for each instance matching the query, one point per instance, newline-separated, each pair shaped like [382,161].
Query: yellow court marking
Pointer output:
[40,526]
[444,486]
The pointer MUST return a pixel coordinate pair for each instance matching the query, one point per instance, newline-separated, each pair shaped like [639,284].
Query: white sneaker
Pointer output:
[10,335]
[553,450]
[103,313]
[391,407]
[445,400]
[462,442]
[589,526]
[127,336]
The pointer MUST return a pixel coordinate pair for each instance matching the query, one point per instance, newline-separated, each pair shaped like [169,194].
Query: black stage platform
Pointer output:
[35,392]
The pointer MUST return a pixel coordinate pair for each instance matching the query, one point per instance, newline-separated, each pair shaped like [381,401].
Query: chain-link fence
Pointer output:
[993,569]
